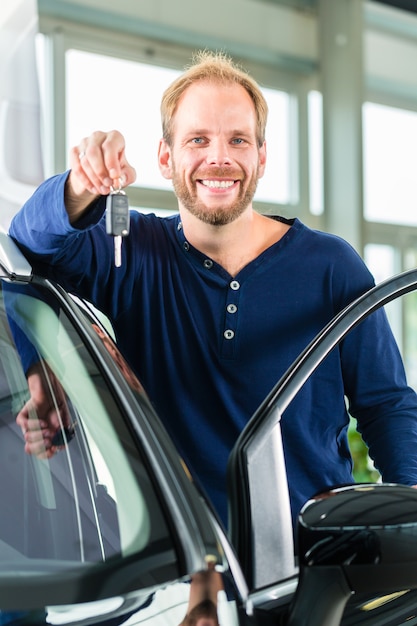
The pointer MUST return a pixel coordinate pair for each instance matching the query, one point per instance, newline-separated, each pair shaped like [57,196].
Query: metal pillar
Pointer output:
[341,59]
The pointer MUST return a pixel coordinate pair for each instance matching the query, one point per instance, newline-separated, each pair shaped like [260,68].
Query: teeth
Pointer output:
[218,184]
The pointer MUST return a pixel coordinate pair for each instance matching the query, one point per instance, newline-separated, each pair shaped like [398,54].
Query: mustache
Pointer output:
[218,172]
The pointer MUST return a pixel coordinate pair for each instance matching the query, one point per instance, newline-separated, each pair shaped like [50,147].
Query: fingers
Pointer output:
[38,440]
[39,433]
[99,162]
[45,414]
[36,435]
[22,418]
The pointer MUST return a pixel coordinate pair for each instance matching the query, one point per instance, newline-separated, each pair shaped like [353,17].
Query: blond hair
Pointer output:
[212,66]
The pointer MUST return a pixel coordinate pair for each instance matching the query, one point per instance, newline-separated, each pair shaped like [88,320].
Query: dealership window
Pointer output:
[130,104]
[390,157]
[384,261]
[390,210]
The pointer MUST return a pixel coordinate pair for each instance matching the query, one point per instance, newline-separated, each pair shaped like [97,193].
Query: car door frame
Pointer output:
[257,525]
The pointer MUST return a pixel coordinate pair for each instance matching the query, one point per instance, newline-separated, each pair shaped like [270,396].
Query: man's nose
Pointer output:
[219,153]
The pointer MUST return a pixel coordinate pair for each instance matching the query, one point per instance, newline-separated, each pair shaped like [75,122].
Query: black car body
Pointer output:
[112,529]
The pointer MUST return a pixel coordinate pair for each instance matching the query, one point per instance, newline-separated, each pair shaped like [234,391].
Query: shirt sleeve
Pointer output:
[376,388]
[42,226]
[79,256]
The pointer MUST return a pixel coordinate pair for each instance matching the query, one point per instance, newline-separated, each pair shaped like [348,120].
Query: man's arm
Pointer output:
[381,400]
[49,225]
[42,227]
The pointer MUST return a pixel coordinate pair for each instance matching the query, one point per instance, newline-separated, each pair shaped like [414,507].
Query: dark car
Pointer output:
[113,530]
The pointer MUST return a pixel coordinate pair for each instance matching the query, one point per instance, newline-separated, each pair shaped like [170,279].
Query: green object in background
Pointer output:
[363,469]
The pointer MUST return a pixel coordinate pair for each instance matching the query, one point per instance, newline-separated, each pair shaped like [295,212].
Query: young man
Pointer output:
[211,306]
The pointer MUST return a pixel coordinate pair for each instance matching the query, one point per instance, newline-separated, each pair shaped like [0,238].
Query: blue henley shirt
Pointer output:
[208,347]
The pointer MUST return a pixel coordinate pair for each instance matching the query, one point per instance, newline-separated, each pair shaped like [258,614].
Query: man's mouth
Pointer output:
[217,184]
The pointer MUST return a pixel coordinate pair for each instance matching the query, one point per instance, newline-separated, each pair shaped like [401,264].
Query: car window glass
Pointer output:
[93,500]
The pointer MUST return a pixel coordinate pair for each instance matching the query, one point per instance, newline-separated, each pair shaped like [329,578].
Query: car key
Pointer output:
[117,220]
[64,435]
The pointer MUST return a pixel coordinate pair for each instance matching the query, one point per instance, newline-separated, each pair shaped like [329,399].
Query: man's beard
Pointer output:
[223,214]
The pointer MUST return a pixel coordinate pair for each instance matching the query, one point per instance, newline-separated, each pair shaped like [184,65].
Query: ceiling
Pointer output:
[406,5]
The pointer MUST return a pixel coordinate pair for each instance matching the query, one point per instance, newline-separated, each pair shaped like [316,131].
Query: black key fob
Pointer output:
[63,436]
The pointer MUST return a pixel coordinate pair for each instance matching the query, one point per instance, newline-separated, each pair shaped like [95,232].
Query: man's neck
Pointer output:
[233,245]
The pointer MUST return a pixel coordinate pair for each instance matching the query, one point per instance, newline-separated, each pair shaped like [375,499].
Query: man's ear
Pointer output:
[262,159]
[164,159]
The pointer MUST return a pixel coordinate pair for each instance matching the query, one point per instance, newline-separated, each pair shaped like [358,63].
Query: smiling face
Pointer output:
[214,160]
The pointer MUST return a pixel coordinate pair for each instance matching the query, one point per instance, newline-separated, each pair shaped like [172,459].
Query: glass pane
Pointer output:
[274,186]
[133,108]
[315,151]
[383,261]
[390,155]
[93,498]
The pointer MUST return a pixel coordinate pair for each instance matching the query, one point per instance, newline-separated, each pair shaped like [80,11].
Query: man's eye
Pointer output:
[238,141]
[197,140]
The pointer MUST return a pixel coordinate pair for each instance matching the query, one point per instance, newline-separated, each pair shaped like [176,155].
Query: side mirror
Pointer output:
[360,538]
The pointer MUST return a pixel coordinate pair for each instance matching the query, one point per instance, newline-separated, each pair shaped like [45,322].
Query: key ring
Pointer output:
[119,190]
